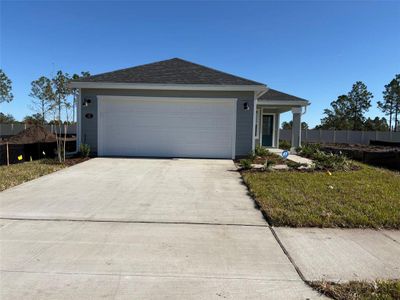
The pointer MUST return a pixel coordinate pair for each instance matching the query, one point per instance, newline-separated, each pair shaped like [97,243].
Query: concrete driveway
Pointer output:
[141,228]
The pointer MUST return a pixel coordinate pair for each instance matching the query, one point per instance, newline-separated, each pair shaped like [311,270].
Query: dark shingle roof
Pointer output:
[172,71]
[272,94]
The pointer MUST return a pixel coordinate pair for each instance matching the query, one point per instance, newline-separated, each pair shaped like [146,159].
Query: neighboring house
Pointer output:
[175,108]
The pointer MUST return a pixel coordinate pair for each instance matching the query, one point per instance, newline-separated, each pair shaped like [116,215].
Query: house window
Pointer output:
[257,128]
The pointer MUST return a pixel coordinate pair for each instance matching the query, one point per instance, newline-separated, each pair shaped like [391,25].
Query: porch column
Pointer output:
[296,128]
[78,121]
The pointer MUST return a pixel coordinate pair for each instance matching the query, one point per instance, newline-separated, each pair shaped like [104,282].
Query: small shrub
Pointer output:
[325,161]
[84,150]
[252,156]
[245,164]
[285,145]
[261,151]
[308,150]
[268,164]
[294,165]
[330,161]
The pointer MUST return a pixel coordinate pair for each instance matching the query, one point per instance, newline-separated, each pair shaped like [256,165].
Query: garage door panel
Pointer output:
[149,121]
[166,128]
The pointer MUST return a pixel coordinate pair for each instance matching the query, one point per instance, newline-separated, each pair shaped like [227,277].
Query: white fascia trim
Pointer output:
[157,86]
[260,93]
[284,102]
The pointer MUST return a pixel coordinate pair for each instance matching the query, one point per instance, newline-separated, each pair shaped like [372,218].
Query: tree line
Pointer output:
[53,102]
[347,112]
[52,98]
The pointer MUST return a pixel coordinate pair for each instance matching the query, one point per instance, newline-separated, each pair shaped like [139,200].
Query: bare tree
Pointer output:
[42,94]
[61,92]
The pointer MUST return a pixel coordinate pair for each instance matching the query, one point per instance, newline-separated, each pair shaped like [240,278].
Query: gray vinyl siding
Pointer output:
[244,120]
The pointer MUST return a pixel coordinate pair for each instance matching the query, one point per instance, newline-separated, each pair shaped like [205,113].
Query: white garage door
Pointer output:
[166,127]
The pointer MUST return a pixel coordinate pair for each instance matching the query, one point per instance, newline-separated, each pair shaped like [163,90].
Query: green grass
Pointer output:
[18,173]
[369,197]
[355,290]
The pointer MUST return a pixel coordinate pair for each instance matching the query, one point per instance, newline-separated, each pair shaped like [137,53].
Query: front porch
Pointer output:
[267,118]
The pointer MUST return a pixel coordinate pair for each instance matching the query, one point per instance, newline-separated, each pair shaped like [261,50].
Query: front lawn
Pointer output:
[368,197]
[18,173]
[385,290]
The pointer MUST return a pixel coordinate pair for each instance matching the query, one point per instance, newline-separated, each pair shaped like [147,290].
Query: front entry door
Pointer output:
[267,130]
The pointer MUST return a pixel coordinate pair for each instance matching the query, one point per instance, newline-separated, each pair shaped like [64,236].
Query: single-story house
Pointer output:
[176,108]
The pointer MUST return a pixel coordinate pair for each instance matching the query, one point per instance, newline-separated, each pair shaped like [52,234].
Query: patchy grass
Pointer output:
[368,197]
[355,290]
[18,173]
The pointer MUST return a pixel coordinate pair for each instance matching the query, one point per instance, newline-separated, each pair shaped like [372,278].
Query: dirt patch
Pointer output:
[32,135]
[382,156]
[369,148]
[33,143]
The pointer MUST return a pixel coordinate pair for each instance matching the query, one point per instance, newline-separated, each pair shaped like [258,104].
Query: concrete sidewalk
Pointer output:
[343,254]
[91,260]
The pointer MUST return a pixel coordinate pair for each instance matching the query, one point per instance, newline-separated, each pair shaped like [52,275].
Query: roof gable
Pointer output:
[272,94]
[172,71]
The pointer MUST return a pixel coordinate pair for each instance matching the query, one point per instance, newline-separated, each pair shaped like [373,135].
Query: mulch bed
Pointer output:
[273,158]
[75,160]
[368,148]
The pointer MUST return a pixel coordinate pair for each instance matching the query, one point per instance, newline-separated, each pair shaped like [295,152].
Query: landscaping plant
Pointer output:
[285,145]
[308,150]
[261,151]
[268,164]
[84,150]
[325,161]
[245,164]
[252,156]
[330,161]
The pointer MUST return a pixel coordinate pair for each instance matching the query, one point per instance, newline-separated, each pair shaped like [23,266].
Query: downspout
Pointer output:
[305,109]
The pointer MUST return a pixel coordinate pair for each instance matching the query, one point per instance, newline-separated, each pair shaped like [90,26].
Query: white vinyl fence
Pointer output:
[341,136]
[13,129]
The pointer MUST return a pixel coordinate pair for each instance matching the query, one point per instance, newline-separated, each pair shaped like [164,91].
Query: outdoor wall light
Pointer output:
[246,106]
[86,102]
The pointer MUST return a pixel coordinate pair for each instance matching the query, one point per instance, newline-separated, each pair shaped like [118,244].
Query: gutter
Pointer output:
[160,86]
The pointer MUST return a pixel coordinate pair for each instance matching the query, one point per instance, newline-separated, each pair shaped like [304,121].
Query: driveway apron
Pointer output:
[120,228]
